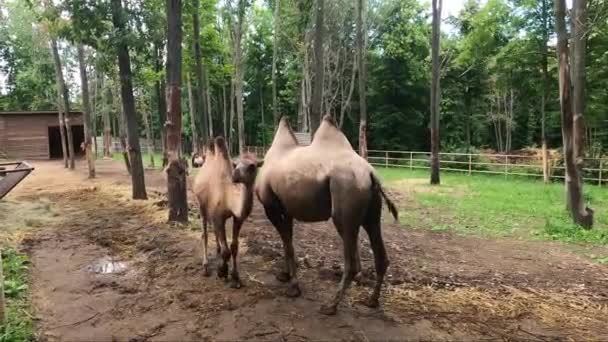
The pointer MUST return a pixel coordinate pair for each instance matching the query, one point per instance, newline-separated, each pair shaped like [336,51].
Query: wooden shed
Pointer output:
[36,135]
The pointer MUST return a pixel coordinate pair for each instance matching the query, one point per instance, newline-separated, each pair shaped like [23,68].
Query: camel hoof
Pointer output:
[329,310]
[206,272]
[235,284]
[283,277]
[371,303]
[293,291]
[222,272]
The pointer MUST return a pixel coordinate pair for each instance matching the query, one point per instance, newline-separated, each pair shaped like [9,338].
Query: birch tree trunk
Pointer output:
[64,100]
[64,144]
[176,170]
[192,117]
[317,91]
[198,99]
[435,92]
[149,135]
[361,32]
[277,18]
[107,123]
[128,105]
[86,111]
[574,186]
[545,86]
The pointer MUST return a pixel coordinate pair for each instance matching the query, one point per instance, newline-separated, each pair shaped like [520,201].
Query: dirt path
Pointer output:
[441,286]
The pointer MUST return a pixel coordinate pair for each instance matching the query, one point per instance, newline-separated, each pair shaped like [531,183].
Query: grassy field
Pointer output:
[495,206]
[158,159]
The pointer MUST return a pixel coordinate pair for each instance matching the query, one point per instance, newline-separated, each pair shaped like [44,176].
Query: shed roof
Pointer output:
[38,112]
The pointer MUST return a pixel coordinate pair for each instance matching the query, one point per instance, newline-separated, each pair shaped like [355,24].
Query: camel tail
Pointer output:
[389,203]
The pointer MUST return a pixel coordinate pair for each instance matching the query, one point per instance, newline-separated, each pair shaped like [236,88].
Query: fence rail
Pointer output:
[595,170]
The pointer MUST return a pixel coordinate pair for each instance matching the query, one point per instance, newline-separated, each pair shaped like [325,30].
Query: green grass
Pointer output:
[158,159]
[20,326]
[495,206]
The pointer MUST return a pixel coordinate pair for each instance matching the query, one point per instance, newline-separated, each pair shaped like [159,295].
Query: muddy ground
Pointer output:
[440,285]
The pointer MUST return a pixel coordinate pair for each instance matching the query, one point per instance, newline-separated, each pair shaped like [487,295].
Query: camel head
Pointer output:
[246,169]
[198,159]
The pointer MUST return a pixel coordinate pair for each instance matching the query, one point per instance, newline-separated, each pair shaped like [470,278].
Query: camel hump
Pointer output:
[329,135]
[220,146]
[329,119]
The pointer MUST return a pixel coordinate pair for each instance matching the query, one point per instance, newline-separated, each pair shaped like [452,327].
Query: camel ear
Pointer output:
[260,163]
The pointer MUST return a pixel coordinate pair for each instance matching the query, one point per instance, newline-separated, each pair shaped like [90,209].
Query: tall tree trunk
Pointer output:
[128,104]
[224,111]
[209,115]
[317,91]
[435,92]
[199,88]
[161,94]
[574,185]
[149,135]
[122,127]
[361,32]
[65,100]
[275,48]
[231,124]
[239,72]
[176,170]
[61,117]
[86,111]
[545,86]
[107,123]
[195,142]
[94,103]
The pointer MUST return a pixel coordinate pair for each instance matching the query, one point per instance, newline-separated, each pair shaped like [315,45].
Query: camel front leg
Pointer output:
[220,233]
[284,226]
[205,239]
[234,248]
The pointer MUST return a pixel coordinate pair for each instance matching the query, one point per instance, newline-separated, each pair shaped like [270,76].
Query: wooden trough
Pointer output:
[9,178]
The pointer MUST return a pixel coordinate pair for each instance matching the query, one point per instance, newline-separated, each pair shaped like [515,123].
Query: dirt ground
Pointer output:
[109,268]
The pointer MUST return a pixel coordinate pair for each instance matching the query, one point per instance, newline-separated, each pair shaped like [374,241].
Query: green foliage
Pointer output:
[20,326]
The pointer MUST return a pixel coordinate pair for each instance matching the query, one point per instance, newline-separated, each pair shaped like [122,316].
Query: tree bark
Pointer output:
[317,91]
[195,142]
[60,114]
[435,92]
[161,93]
[361,32]
[224,111]
[86,111]
[128,104]
[209,115]
[239,72]
[65,101]
[574,185]
[107,123]
[545,86]
[176,170]
[199,89]
[277,17]
[149,135]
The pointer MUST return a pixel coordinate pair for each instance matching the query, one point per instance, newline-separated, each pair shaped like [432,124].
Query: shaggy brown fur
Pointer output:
[324,180]
[224,191]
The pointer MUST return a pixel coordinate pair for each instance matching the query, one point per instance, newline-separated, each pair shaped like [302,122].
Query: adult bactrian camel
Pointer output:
[225,191]
[326,179]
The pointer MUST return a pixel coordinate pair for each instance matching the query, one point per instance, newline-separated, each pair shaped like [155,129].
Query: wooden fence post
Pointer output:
[506,166]
[386,159]
[2,300]
[470,164]
[601,169]
[411,160]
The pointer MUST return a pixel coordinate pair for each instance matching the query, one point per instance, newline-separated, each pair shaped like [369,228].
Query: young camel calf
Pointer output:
[224,190]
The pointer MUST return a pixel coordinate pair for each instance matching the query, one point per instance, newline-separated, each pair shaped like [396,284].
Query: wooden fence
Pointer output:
[595,170]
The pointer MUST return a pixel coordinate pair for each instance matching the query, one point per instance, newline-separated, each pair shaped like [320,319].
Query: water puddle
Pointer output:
[107,265]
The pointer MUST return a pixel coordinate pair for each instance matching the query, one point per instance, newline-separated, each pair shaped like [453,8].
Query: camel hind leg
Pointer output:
[220,233]
[205,239]
[372,226]
[347,217]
